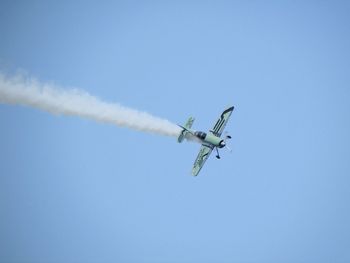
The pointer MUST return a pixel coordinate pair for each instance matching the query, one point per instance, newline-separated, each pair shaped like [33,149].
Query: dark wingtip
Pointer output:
[229,109]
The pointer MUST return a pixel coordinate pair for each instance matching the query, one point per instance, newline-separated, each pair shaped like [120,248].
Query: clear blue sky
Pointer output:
[73,190]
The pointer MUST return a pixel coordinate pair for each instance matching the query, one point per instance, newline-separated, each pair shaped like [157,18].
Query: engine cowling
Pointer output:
[222,144]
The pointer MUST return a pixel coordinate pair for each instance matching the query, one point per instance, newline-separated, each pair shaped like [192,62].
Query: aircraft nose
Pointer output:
[222,144]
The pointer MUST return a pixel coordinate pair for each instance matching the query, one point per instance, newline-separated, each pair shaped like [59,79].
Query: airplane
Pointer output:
[211,140]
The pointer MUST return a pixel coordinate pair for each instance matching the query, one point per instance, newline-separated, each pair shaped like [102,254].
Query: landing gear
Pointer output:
[217,153]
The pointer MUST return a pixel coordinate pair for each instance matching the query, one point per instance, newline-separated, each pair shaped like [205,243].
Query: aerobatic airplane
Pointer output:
[209,140]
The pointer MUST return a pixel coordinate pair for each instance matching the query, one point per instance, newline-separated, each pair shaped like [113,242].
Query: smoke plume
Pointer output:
[54,99]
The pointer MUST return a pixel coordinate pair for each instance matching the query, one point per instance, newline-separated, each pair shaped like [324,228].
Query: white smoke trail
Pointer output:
[52,98]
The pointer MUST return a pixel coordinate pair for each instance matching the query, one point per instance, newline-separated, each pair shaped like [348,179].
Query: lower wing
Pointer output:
[203,155]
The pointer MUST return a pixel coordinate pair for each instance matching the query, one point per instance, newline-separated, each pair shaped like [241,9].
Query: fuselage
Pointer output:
[210,138]
[209,141]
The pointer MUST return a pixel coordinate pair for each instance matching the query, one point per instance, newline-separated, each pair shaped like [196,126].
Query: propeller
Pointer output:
[227,137]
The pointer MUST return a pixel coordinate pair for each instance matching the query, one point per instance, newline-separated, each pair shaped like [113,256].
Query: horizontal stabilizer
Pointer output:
[185,129]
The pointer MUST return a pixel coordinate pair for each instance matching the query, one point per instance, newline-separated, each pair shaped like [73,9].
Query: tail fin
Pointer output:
[185,129]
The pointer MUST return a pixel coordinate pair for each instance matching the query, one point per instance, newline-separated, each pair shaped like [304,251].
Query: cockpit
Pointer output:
[200,135]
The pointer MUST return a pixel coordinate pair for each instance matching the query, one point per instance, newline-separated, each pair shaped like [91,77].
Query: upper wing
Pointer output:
[221,123]
[203,155]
